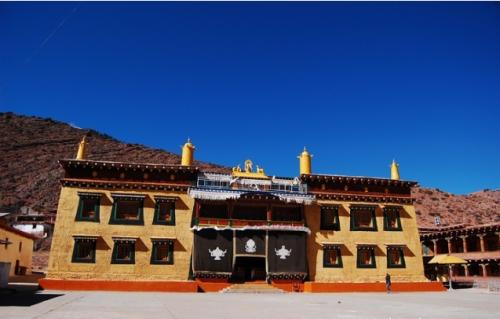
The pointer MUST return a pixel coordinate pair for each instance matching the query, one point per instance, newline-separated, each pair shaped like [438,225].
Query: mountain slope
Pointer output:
[481,207]
[30,148]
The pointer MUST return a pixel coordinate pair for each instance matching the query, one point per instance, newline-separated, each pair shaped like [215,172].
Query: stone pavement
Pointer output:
[108,305]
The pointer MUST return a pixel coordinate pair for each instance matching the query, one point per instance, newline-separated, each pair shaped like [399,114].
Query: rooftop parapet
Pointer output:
[231,182]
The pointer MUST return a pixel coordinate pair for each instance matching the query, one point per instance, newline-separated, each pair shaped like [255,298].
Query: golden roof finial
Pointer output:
[305,162]
[80,154]
[187,153]
[394,170]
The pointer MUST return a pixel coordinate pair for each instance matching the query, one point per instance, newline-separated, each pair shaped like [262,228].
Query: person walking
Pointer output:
[388,283]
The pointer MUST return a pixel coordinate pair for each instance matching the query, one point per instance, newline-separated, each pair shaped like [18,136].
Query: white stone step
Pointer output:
[251,288]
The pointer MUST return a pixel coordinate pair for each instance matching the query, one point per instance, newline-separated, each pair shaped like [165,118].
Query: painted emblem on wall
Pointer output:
[283,252]
[250,246]
[217,253]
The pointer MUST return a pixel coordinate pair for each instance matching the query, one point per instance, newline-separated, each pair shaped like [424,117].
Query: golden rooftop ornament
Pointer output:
[248,172]
[80,154]
[394,170]
[187,153]
[305,162]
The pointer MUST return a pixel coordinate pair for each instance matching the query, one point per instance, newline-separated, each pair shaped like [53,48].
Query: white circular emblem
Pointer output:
[250,246]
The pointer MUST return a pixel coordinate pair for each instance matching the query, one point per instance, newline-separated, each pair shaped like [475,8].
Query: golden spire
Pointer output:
[394,170]
[305,162]
[80,154]
[187,153]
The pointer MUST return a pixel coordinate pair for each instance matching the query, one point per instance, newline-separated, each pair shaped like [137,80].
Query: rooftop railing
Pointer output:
[203,221]
[250,185]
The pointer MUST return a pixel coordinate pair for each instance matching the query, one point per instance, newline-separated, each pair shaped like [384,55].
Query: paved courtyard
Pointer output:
[107,305]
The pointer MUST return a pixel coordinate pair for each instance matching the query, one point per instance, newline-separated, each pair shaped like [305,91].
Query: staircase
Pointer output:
[252,288]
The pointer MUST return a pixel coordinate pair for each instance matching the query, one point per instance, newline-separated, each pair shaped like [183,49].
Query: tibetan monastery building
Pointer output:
[479,245]
[130,226]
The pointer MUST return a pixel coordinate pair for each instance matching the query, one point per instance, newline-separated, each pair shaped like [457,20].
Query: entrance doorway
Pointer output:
[249,269]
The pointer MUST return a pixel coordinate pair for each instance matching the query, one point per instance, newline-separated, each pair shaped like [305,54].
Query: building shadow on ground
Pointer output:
[22,297]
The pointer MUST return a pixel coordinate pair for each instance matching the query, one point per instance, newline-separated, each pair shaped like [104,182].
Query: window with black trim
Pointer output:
[329,218]
[332,257]
[162,252]
[123,252]
[366,257]
[392,220]
[164,212]
[88,207]
[84,250]
[250,212]
[395,257]
[127,210]
[213,209]
[363,218]
[287,213]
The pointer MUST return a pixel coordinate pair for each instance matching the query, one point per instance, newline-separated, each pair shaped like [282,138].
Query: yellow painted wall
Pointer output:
[349,272]
[10,253]
[61,267]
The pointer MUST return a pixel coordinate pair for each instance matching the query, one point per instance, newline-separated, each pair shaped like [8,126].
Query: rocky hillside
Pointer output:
[31,146]
[29,173]
[482,207]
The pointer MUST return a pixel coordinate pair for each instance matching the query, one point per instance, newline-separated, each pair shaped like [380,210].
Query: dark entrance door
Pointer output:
[249,269]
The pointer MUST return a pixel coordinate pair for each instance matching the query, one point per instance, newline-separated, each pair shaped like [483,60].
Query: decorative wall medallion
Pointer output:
[283,252]
[217,253]
[250,246]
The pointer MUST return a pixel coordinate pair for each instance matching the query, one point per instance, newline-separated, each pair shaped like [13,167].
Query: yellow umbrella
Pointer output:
[436,259]
[447,260]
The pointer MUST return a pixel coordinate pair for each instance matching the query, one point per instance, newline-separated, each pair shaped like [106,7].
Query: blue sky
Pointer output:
[357,83]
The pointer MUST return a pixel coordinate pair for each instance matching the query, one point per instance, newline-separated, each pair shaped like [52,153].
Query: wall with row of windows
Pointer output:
[365,257]
[362,218]
[126,209]
[84,251]
[361,242]
[94,227]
